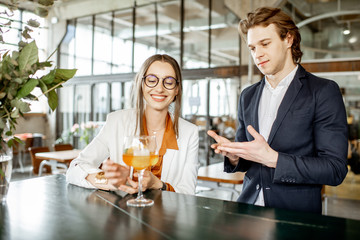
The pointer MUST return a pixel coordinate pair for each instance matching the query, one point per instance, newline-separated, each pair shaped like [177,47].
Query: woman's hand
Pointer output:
[149,181]
[115,173]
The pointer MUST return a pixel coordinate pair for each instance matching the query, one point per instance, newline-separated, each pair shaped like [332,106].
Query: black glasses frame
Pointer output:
[158,80]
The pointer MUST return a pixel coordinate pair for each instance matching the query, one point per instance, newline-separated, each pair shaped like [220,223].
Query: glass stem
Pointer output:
[140,177]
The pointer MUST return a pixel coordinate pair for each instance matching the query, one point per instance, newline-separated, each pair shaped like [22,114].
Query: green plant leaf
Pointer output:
[44,64]
[27,88]
[10,143]
[2,123]
[42,12]
[22,106]
[25,33]
[22,44]
[15,113]
[18,80]
[18,140]
[46,2]
[43,86]
[7,76]
[33,23]
[28,55]
[52,100]
[64,74]
[14,56]
[49,78]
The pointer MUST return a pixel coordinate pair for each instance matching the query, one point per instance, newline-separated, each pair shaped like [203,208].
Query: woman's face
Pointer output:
[159,98]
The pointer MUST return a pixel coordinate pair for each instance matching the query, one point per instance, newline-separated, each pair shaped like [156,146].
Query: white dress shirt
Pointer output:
[270,101]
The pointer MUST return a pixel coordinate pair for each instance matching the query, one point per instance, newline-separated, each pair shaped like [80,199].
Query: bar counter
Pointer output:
[49,208]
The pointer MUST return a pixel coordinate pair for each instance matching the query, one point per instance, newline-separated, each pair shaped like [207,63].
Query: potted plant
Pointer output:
[19,75]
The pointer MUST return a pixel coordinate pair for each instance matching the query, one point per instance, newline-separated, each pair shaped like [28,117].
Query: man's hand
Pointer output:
[257,150]
[221,140]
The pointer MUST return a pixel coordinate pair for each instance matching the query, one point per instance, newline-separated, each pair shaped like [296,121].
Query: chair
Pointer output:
[35,161]
[63,147]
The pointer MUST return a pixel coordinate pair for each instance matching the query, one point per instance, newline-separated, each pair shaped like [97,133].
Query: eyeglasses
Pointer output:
[152,81]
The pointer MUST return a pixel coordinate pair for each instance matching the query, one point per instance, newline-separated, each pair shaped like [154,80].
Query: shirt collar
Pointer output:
[169,139]
[285,82]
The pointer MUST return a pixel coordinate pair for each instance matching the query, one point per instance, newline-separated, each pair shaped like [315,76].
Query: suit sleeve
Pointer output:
[243,165]
[328,165]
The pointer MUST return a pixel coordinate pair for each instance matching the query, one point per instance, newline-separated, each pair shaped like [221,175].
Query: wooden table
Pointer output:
[213,175]
[48,208]
[57,159]
[59,156]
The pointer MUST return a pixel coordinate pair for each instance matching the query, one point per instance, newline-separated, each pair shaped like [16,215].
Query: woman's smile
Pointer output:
[158,98]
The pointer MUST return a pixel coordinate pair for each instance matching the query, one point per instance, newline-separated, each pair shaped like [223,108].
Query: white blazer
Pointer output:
[180,167]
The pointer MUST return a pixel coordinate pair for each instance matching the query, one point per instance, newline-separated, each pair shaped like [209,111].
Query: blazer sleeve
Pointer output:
[90,158]
[243,165]
[328,165]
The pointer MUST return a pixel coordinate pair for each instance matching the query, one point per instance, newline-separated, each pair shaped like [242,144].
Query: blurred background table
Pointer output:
[56,159]
[213,176]
[59,156]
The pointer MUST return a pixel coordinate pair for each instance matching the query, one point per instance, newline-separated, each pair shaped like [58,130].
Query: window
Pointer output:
[83,46]
[103,44]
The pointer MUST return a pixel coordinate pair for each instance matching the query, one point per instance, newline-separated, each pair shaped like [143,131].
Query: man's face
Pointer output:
[271,54]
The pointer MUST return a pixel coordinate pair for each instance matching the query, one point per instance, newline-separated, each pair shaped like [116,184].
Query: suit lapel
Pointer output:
[254,114]
[287,101]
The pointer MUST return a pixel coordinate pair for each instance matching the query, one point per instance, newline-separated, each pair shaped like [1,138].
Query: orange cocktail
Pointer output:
[137,162]
[139,153]
[154,158]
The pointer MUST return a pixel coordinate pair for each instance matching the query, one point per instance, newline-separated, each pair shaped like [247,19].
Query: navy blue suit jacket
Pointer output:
[310,135]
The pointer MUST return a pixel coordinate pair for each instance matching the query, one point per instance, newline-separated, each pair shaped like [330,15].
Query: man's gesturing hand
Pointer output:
[257,150]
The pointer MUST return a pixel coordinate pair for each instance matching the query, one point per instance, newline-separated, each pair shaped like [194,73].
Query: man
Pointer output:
[292,133]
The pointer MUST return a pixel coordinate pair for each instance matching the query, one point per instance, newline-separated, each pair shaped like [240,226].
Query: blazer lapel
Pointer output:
[287,101]
[254,114]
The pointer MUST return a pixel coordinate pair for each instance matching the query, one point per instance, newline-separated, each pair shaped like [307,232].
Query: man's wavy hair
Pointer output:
[265,16]
[137,96]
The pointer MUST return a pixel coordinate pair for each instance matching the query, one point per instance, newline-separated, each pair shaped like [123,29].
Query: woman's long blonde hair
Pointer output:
[137,95]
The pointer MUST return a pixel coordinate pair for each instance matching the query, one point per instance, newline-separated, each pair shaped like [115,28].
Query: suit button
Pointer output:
[257,187]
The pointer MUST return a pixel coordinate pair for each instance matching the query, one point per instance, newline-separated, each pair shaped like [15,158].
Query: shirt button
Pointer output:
[257,187]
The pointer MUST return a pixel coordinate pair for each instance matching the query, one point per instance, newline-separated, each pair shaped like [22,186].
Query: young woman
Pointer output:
[157,85]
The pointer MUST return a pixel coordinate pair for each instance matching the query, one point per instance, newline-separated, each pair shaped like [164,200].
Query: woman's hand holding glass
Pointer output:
[115,173]
[149,181]
[140,153]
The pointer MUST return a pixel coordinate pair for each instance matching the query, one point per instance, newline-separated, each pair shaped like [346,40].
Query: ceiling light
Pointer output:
[54,20]
[346,31]
[353,40]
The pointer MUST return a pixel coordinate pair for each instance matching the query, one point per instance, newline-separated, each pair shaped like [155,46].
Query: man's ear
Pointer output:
[289,39]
